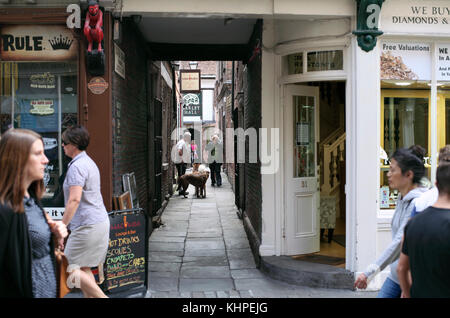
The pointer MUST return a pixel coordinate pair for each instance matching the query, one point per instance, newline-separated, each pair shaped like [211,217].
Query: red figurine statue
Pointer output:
[93,25]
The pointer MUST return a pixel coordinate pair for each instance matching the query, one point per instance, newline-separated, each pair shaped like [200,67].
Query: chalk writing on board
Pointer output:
[125,259]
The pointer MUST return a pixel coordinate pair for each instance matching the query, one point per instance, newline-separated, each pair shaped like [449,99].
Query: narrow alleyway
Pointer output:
[202,250]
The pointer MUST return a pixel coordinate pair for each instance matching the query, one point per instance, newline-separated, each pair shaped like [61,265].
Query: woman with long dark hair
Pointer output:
[405,174]
[27,257]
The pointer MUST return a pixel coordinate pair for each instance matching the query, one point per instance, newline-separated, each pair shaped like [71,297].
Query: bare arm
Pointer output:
[73,202]
[404,275]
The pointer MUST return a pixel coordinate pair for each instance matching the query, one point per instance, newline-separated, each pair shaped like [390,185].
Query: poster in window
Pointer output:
[405,61]
[302,134]
[443,62]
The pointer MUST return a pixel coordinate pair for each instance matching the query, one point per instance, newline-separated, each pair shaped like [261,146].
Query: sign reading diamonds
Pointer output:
[37,43]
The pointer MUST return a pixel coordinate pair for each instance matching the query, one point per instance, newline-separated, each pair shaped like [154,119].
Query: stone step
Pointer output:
[308,274]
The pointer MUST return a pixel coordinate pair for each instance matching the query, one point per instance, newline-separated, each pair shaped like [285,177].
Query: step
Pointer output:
[308,274]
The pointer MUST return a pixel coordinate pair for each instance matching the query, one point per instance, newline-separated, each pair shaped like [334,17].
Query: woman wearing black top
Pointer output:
[27,265]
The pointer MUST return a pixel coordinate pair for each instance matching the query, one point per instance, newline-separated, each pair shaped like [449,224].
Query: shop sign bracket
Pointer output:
[368,15]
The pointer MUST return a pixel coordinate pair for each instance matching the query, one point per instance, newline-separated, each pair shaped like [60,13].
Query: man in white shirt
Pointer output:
[183,156]
[428,198]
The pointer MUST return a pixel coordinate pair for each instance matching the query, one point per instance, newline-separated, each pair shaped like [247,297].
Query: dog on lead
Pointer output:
[197,179]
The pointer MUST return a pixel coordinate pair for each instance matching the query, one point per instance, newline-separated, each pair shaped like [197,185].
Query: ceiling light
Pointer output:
[403,83]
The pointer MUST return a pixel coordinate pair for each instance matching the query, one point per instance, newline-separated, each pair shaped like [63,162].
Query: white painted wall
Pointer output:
[364,142]
[261,8]
[292,30]
[271,199]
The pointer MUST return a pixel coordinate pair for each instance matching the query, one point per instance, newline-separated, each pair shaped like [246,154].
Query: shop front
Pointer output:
[44,87]
[395,95]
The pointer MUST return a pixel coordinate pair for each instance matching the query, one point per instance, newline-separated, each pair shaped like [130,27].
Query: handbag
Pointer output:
[61,269]
[61,273]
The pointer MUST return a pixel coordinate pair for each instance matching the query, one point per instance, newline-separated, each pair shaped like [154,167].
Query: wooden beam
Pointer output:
[198,52]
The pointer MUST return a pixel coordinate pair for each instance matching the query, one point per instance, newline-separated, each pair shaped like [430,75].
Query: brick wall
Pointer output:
[169,123]
[130,116]
[252,118]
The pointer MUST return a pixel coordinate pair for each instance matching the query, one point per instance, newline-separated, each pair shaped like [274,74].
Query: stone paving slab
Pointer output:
[163,267]
[220,252]
[163,284]
[163,247]
[170,257]
[205,243]
[210,234]
[241,258]
[200,229]
[189,271]
[246,273]
[162,231]
[167,239]
[205,284]
[151,275]
[237,243]
[205,260]
[176,217]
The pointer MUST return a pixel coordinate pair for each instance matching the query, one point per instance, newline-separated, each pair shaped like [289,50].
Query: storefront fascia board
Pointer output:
[198,8]
[239,8]
[307,7]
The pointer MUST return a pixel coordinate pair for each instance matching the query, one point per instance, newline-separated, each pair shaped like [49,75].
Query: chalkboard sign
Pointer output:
[125,265]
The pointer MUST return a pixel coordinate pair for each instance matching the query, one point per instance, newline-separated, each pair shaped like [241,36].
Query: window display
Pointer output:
[41,96]
[409,114]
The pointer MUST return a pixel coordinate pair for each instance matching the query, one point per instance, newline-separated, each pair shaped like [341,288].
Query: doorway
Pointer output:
[316,177]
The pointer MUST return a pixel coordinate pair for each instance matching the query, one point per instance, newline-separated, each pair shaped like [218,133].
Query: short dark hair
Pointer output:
[443,178]
[77,136]
[444,154]
[411,159]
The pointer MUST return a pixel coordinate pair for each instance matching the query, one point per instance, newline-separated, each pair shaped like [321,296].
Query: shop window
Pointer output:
[443,113]
[404,122]
[41,96]
[295,63]
[325,61]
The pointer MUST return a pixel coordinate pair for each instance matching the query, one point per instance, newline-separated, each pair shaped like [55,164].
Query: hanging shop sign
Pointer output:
[37,43]
[190,81]
[368,14]
[405,61]
[416,16]
[192,104]
[98,85]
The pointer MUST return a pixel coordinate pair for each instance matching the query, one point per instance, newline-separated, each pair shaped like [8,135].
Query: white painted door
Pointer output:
[301,131]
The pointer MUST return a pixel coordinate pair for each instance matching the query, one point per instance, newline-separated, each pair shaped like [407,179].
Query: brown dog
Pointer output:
[198,180]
